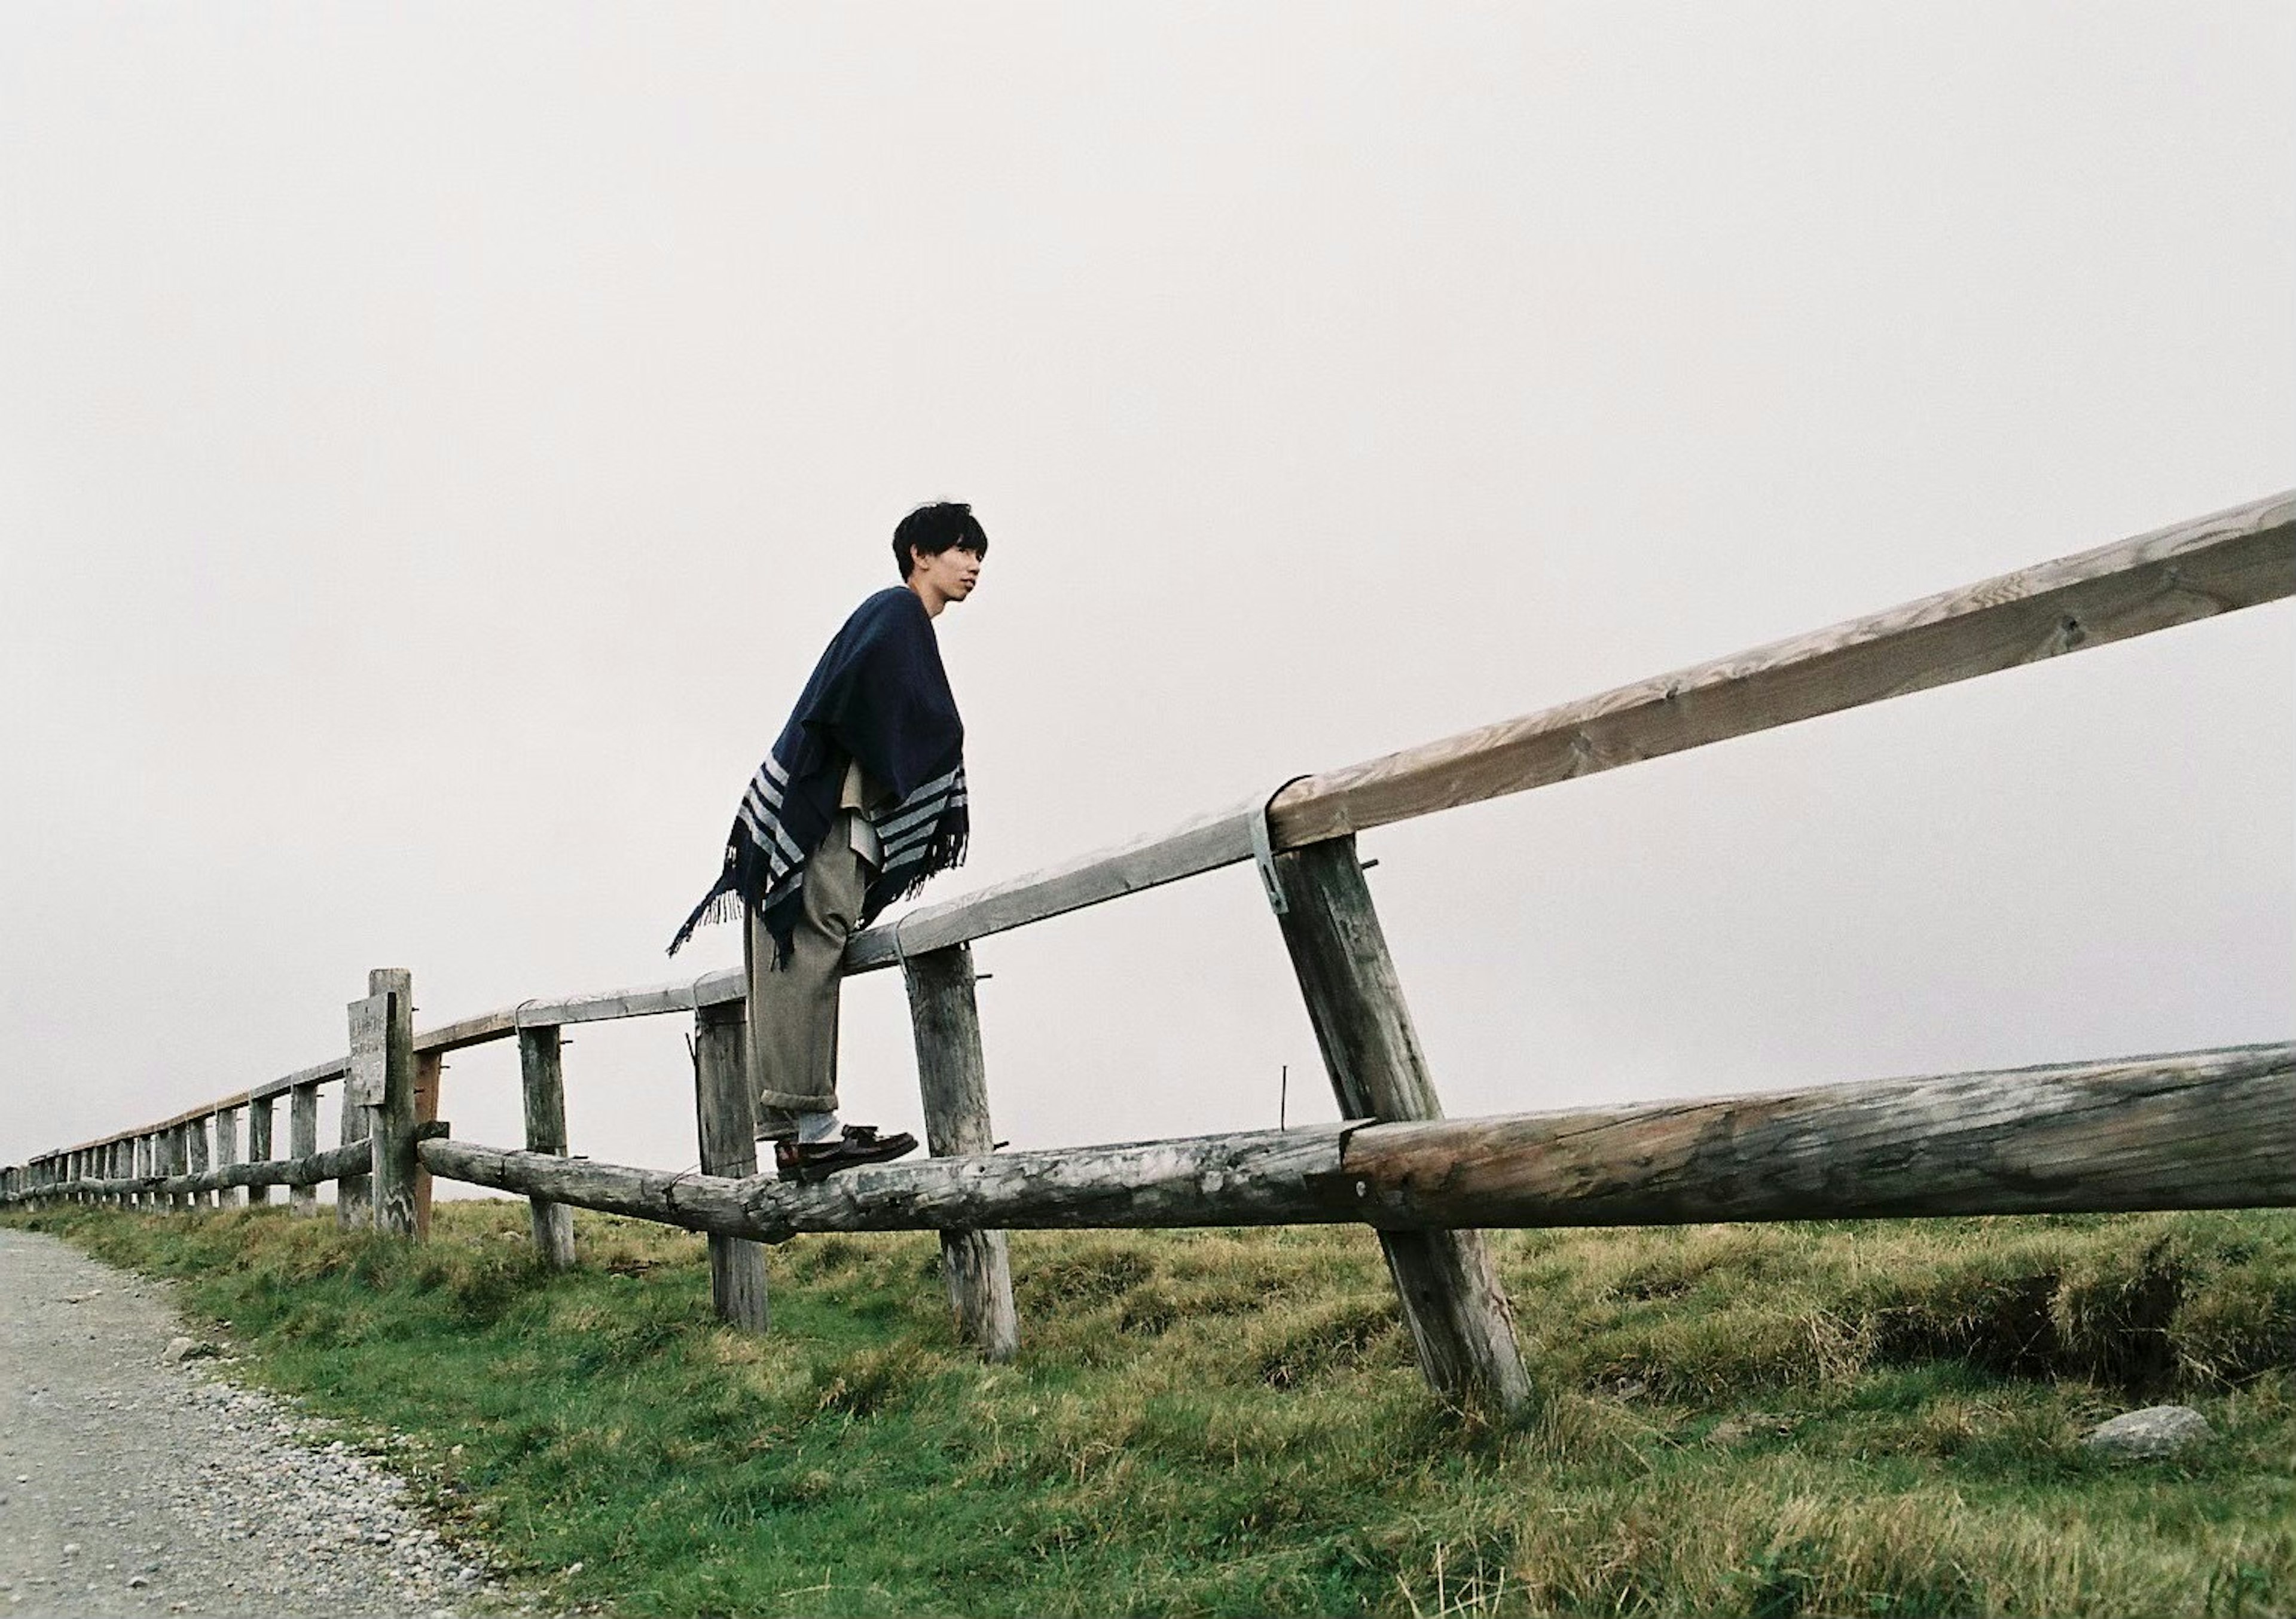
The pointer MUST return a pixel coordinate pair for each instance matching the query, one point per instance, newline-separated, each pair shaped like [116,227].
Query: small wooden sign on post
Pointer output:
[365,1083]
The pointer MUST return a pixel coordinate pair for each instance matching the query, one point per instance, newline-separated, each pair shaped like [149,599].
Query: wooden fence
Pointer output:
[2186,1130]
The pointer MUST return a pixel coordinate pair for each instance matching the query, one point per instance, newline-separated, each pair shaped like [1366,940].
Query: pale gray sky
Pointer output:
[436,440]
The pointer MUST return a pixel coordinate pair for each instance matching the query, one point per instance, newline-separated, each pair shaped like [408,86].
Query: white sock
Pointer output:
[814,1128]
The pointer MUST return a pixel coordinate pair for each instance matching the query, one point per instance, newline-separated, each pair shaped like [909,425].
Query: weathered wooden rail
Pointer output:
[2188,1130]
[2185,1130]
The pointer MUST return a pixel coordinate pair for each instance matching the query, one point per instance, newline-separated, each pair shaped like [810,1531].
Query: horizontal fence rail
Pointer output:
[332,1165]
[2190,1130]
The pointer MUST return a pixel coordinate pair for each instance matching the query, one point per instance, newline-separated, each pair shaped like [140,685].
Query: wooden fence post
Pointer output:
[539,1067]
[391,1120]
[945,1019]
[195,1136]
[354,1194]
[430,1068]
[260,1113]
[228,1154]
[302,1141]
[1457,1313]
[725,1116]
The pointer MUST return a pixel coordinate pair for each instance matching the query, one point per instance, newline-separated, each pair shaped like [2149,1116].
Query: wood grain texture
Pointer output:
[543,1081]
[303,1141]
[2230,560]
[261,1117]
[227,1152]
[391,1122]
[952,1074]
[429,1074]
[318,1074]
[2187,1130]
[649,1000]
[180,1185]
[1459,1321]
[697,1202]
[1203,844]
[725,1119]
[197,1162]
[468,1032]
[354,1193]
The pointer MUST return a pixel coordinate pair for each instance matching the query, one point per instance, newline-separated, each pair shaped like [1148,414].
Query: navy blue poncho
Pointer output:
[879,695]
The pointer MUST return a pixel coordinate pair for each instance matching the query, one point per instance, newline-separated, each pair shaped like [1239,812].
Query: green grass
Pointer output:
[1873,1418]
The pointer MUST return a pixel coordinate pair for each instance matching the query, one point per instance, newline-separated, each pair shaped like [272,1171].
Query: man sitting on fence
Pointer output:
[862,799]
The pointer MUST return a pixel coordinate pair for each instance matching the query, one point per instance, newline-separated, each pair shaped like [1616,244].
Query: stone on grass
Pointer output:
[2147,1435]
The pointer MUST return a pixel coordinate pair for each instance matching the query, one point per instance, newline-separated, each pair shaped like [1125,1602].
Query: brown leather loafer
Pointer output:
[811,1161]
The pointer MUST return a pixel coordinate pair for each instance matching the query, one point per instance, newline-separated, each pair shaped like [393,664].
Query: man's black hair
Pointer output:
[930,530]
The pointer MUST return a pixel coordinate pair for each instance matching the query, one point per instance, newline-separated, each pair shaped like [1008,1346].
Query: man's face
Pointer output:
[950,574]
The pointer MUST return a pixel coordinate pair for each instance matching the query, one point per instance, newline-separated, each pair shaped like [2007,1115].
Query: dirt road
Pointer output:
[134,1484]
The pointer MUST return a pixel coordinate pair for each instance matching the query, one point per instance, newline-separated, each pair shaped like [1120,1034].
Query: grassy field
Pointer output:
[1873,1418]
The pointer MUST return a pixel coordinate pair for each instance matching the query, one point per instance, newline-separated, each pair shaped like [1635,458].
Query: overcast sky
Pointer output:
[437,440]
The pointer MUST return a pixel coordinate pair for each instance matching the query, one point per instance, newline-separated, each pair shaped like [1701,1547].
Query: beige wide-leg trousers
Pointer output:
[792,1011]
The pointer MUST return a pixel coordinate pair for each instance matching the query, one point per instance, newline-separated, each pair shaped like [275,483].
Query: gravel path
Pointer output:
[132,1483]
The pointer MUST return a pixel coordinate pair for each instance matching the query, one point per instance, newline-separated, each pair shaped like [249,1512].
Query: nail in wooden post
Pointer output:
[259,1116]
[302,1141]
[1452,1300]
[392,1117]
[725,1115]
[539,1068]
[946,1021]
[428,1067]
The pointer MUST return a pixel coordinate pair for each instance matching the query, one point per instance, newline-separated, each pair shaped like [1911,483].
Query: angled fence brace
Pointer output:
[1451,1301]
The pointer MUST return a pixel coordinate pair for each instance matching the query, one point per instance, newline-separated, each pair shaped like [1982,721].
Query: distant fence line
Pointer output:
[2185,1130]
